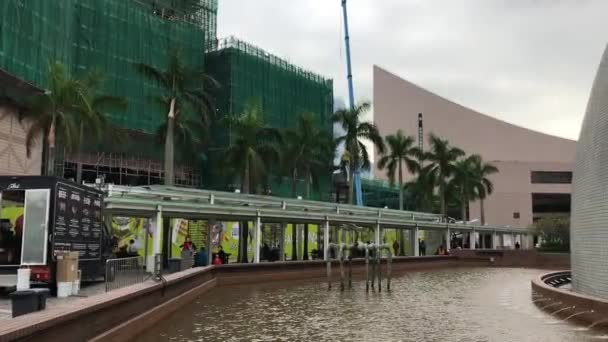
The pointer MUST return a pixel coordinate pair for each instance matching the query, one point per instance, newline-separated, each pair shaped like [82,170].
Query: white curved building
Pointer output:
[589,227]
[535,168]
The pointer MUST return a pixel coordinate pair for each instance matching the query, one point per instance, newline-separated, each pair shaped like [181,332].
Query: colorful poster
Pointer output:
[223,233]
[125,229]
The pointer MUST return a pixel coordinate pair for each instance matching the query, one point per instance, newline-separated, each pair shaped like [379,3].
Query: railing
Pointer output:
[124,272]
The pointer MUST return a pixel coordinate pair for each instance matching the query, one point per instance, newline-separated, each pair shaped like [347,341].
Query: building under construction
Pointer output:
[284,91]
[113,35]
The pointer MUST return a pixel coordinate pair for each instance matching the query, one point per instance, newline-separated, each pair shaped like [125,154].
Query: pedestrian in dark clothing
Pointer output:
[422,247]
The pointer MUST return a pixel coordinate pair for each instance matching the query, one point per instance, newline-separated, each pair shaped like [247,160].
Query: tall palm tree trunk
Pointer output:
[400,187]
[50,158]
[463,209]
[401,232]
[351,184]
[294,177]
[244,232]
[79,155]
[442,200]
[169,145]
[294,227]
[482,212]
[305,250]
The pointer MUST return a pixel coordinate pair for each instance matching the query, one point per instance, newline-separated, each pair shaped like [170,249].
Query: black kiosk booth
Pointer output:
[40,216]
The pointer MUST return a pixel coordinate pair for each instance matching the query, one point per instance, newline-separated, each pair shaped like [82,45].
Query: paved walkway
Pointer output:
[86,291]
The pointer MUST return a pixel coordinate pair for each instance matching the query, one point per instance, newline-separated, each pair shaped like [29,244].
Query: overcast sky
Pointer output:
[530,62]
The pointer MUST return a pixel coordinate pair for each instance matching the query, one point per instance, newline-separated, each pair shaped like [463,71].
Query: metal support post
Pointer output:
[282,245]
[210,224]
[258,239]
[158,232]
[414,240]
[472,239]
[447,239]
[494,240]
[326,240]
[377,234]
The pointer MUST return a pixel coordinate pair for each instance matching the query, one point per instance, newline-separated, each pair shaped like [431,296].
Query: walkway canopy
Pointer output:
[149,201]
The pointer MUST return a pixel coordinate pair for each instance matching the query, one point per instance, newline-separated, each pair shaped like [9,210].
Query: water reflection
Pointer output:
[462,304]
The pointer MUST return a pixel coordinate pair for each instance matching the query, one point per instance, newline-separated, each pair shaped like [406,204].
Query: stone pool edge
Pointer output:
[593,309]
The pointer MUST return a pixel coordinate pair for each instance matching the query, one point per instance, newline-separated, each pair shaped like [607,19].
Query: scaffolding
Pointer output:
[202,13]
[139,162]
[124,169]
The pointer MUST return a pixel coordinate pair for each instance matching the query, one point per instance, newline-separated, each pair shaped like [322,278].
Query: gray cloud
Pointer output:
[529,62]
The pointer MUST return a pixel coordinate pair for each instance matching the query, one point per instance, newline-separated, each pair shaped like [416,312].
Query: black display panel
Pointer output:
[77,221]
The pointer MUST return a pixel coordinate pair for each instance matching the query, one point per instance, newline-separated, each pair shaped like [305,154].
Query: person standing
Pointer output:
[201,258]
[188,245]
[421,247]
[396,247]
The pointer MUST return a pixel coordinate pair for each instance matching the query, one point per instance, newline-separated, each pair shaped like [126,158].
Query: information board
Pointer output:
[78,221]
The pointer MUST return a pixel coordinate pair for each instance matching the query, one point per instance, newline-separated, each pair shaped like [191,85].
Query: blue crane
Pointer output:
[351,98]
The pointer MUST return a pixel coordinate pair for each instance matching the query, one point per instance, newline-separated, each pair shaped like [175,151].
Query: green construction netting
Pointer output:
[283,90]
[109,35]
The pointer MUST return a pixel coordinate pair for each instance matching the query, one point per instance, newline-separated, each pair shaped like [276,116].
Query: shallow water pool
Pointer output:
[458,304]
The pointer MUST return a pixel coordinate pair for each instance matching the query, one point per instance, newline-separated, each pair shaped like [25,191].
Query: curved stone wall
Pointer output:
[589,226]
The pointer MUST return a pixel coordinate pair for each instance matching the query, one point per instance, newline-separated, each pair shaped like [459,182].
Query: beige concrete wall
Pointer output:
[13,157]
[516,151]
[513,192]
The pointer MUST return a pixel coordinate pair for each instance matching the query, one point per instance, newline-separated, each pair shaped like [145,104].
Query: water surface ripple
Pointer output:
[459,304]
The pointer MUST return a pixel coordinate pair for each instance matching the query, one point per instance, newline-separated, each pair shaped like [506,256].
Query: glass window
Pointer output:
[551,177]
[11,226]
[35,227]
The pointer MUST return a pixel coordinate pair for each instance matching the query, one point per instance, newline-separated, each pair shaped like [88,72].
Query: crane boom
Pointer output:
[351,98]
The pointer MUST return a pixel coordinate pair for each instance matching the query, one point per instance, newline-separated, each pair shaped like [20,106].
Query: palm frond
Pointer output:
[153,74]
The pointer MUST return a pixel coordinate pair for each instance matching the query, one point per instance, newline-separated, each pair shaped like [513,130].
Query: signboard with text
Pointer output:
[78,221]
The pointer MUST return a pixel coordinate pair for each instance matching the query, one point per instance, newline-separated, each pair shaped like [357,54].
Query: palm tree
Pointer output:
[99,126]
[308,150]
[56,114]
[250,153]
[183,96]
[356,133]
[442,157]
[422,188]
[401,149]
[484,186]
[464,183]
